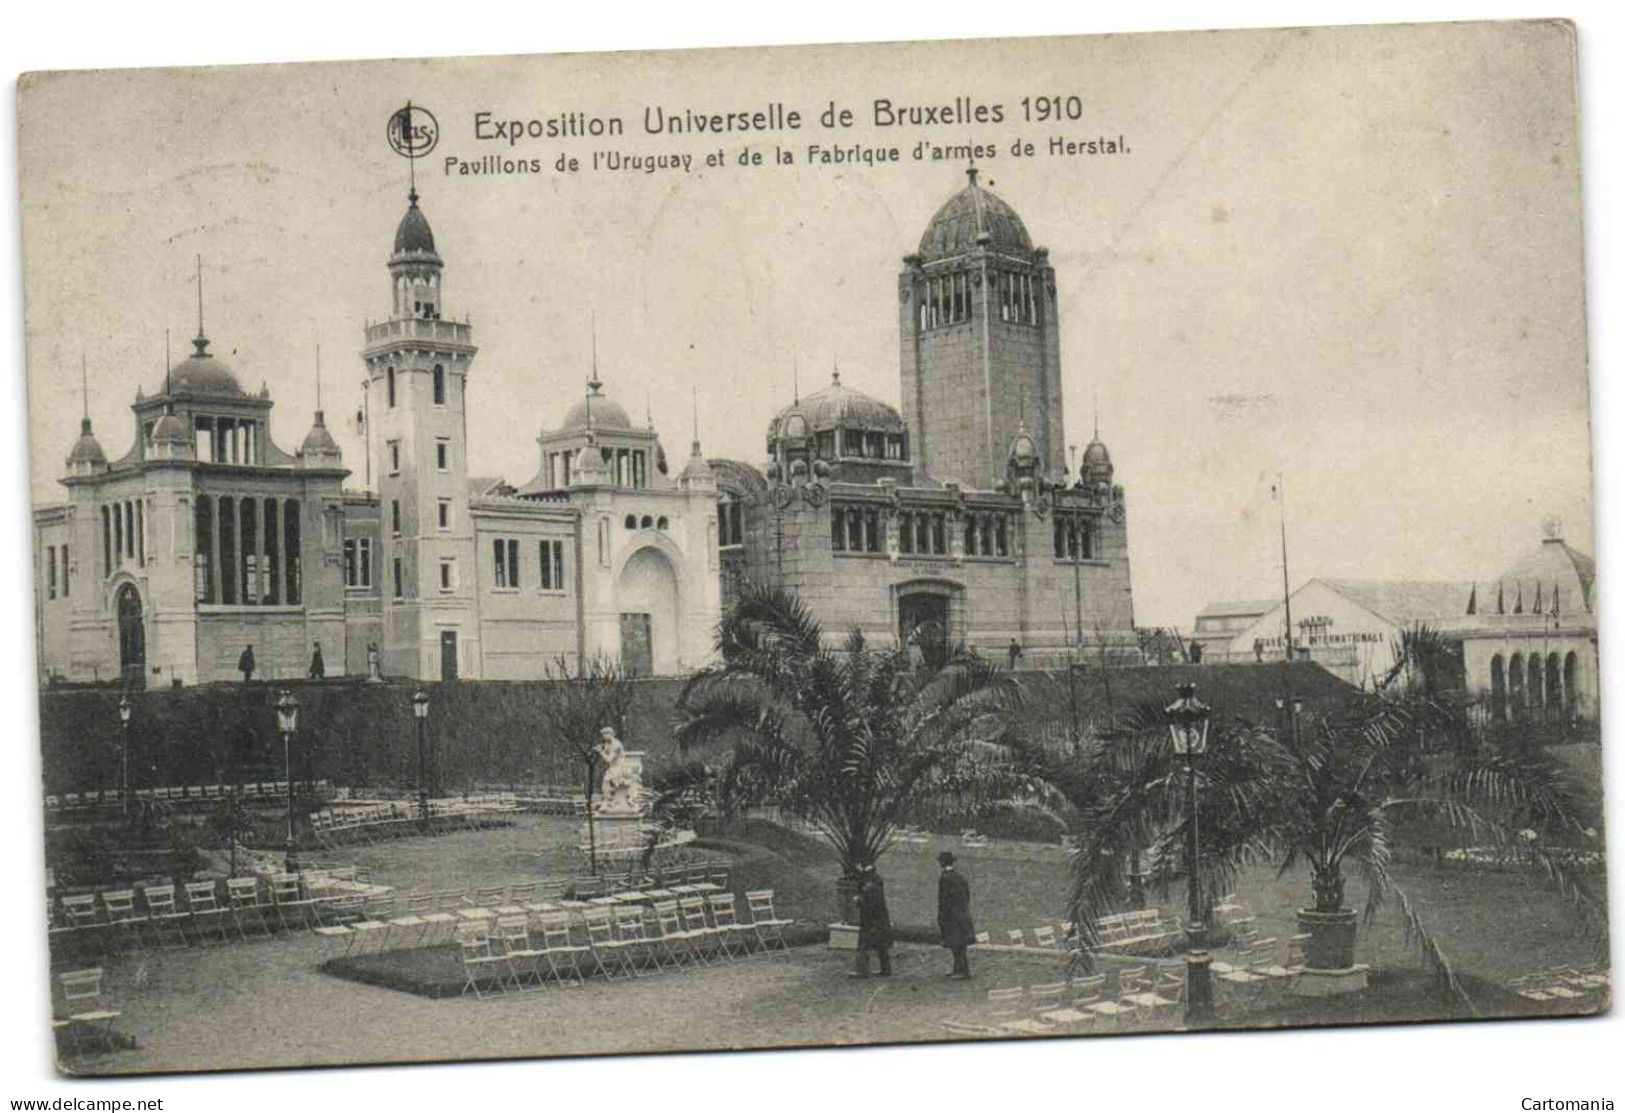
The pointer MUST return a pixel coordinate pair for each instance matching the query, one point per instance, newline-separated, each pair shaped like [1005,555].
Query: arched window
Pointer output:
[647,522]
[631,521]
[1571,682]
[1498,689]
[1554,681]
[1537,690]
[439,385]
[1515,684]
[663,523]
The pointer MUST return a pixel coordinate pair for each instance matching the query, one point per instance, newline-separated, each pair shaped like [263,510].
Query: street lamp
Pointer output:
[1187,725]
[287,721]
[124,709]
[420,711]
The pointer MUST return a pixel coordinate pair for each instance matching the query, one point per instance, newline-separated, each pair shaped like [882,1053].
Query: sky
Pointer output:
[1350,258]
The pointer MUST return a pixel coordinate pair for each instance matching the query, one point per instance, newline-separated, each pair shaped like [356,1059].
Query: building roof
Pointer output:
[839,405]
[319,441]
[87,449]
[1553,564]
[413,235]
[1241,608]
[1407,602]
[973,216]
[596,411]
[479,486]
[202,373]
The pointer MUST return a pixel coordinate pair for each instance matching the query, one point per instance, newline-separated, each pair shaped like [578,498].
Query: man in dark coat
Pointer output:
[874,923]
[953,915]
[318,668]
[245,664]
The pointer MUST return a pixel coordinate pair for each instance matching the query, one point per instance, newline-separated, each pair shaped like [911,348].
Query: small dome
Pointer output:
[836,405]
[1023,448]
[697,466]
[973,216]
[596,412]
[201,373]
[413,235]
[319,441]
[87,450]
[170,429]
[1096,455]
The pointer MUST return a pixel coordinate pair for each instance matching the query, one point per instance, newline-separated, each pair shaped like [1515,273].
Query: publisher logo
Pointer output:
[413,131]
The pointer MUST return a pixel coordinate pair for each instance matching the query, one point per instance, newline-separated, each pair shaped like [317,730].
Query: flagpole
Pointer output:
[1286,599]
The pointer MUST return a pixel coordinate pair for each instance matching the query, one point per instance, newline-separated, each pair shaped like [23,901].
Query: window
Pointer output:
[50,561]
[444,512]
[646,522]
[395,517]
[64,571]
[631,521]
[439,385]
[358,562]
[389,381]
[394,457]
[442,454]
[448,573]
[505,555]
[399,585]
[730,521]
[905,532]
[107,543]
[551,563]
[662,522]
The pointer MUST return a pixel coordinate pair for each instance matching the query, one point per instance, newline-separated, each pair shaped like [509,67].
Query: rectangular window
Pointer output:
[365,544]
[395,516]
[442,454]
[352,563]
[905,532]
[837,529]
[389,377]
[513,562]
[499,553]
[64,571]
[1001,534]
[107,543]
[50,561]
[448,573]
[443,510]
[400,585]
[394,457]
[550,561]
[439,385]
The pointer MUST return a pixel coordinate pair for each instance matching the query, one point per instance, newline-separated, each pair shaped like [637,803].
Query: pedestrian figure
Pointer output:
[318,670]
[874,923]
[1196,653]
[1258,650]
[1014,653]
[953,915]
[245,664]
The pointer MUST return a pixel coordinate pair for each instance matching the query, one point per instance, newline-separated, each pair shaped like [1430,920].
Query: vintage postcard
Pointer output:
[588,554]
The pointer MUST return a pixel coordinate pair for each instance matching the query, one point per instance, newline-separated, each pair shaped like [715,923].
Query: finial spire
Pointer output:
[1097,415]
[318,377]
[84,384]
[411,158]
[835,375]
[970,172]
[200,342]
[695,392]
[595,382]
[795,372]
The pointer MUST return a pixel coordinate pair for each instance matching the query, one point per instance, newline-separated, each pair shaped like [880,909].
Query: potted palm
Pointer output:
[855,740]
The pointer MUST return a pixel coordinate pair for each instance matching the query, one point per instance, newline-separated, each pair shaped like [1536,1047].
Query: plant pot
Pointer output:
[1331,938]
[846,900]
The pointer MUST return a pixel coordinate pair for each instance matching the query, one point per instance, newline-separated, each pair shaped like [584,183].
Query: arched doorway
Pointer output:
[132,636]
[1515,684]
[1498,689]
[646,596]
[1555,696]
[1571,681]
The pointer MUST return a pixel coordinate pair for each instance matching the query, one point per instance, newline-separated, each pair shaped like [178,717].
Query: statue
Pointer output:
[373,676]
[619,789]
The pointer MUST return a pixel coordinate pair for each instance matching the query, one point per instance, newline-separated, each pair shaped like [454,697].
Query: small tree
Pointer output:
[855,741]
[574,708]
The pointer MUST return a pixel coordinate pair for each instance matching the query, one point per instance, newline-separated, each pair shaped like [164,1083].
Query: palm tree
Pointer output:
[854,741]
[1332,790]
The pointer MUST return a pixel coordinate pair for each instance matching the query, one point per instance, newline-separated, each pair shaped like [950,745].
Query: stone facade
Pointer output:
[958,511]
[206,538]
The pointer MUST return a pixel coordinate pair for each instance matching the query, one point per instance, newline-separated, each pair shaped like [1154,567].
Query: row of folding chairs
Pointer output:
[197,911]
[522,950]
[1140,1000]
[1257,972]
[110,797]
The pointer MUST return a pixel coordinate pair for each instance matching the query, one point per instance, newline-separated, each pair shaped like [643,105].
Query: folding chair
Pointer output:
[517,953]
[206,910]
[636,950]
[725,923]
[960,1028]
[768,926]
[1004,1005]
[557,946]
[293,909]
[674,943]
[1017,937]
[86,986]
[163,913]
[415,911]
[1044,936]
[373,927]
[1041,999]
[602,943]
[480,965]
[702,936]
[122,918]
[246,906]
[84,920]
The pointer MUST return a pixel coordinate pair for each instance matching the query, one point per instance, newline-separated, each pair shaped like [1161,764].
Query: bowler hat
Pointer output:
[946,858]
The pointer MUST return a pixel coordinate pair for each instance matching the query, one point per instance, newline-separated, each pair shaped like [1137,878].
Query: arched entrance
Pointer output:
[646,596]
[926,618]
[132,635]
[1498,689]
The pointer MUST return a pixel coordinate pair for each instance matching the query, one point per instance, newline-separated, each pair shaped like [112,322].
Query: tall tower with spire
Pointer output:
[980,342]
[417,376]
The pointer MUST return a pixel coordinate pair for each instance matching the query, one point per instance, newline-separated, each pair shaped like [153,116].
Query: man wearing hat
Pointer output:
[874,923]
[953,915]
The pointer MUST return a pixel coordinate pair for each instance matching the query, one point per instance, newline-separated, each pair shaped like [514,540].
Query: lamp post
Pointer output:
[1187,725]
[420,711]
[124,709]
[287,721]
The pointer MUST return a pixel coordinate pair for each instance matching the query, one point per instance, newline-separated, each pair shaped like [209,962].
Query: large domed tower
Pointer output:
[980,342]
[417,378]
